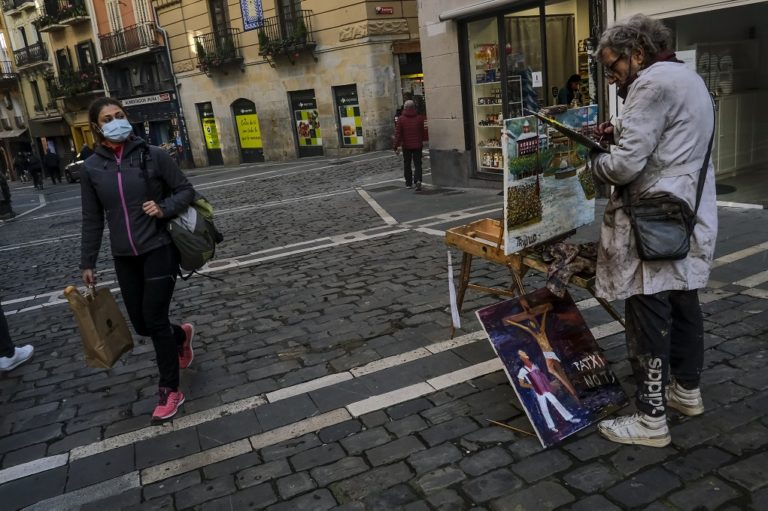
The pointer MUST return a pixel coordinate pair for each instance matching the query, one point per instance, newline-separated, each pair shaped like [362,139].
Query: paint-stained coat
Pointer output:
[662,140]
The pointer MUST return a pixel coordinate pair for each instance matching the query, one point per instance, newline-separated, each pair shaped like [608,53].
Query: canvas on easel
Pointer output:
[556,367]
[549,190]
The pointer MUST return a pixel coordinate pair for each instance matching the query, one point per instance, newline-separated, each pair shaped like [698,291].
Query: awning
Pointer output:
[12,133]
[49,128]
[478,9]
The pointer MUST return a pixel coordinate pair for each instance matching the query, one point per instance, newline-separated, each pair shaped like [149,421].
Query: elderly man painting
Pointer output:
[661,143]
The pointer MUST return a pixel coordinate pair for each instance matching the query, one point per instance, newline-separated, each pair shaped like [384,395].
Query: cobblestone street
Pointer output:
[324,374]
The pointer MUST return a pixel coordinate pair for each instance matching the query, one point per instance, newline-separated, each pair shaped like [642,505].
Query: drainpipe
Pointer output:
[182,122]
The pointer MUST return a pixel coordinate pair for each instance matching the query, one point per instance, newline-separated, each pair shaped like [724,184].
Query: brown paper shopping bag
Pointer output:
[103,329]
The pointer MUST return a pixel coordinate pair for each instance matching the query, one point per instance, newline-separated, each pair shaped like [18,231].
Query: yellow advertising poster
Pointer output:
[211,134]
[249,132]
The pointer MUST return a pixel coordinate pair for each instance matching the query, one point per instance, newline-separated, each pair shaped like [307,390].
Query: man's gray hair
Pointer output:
[409,104]
[639,32]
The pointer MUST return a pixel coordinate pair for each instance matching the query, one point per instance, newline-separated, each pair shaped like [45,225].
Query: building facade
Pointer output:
[487,61]
[14,135]
[279,79]
[135,63]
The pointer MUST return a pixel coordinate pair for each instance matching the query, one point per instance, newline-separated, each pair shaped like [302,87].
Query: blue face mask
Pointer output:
[117,130]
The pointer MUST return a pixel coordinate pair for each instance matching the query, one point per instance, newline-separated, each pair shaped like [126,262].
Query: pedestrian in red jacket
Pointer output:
[409,132]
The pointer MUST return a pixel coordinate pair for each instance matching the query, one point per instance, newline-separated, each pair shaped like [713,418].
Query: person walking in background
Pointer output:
[124,180]
[51,163]
[11,356]
[567,94]
[6,211]
[661,148]
[35,167]
[20,167]
[409,133]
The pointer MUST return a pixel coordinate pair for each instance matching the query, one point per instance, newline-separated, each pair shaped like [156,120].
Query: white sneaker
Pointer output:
[687,402]
[637,429]
[20,355]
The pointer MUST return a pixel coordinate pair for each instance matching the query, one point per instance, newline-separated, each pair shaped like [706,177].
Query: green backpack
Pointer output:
[192,231]
[195,235]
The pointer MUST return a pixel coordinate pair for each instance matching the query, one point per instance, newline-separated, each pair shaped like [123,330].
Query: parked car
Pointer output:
[72,170]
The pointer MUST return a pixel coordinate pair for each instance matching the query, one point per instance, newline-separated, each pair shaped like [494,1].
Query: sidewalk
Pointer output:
[325,378]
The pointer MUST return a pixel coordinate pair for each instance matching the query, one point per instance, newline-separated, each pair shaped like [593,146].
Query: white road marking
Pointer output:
[388,219]
[740,254]
[756,293]
[300,428]
[604,330]
[39,242]
[753,280]
[388,399]
[393,361]
[468,373]
[303,388]
[739,205]
[194,461]
[33,467]
[431,232]
[42,205]
[75,499]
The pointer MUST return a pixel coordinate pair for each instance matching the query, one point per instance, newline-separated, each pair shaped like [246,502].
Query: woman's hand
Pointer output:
[152,209]
[89,277]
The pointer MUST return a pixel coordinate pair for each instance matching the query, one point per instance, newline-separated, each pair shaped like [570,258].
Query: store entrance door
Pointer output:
[306,122]
[210,133]
[248,131]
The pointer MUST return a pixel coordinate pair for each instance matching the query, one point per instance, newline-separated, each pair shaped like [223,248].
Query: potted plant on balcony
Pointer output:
[299,35]
[265,45]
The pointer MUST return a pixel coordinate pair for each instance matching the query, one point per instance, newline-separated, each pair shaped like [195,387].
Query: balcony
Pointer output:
[218,50]
[7,77]
[129,40]
[141,89]
[31,55]
[15,6]
[71,83]
[64,13]
[287,36]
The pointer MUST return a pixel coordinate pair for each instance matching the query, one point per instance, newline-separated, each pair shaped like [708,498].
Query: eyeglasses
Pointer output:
[609,69]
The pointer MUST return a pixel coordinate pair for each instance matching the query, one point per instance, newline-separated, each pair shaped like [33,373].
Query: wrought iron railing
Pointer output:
[129,39]
[218,48]
[75,83]
[32,54]
[145,88]
[7,75]
[285,35]
[60,11]
[9,5]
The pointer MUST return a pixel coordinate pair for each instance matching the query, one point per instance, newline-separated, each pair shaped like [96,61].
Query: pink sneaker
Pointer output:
[186,354]
[169,403]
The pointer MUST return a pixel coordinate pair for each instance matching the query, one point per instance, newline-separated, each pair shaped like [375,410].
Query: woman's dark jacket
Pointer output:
[119,189]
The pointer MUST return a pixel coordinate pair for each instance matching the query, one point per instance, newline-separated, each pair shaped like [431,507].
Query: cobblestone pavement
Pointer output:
[324,377]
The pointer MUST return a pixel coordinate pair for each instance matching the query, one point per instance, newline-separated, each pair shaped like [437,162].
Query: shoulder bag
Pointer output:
[663,225]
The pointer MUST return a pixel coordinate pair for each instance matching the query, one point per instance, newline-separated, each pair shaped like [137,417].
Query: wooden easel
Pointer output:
[485,239]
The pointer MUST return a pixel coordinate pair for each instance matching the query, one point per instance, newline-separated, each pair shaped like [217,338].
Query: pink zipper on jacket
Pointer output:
[118,159]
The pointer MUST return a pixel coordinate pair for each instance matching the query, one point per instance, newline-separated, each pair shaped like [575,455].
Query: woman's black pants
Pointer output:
[146,284]
[665,334]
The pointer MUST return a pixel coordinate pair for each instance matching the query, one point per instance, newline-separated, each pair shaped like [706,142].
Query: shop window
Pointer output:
[348,117]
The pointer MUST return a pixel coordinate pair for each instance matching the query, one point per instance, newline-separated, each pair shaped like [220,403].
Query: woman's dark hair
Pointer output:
[573,79]
[95,109]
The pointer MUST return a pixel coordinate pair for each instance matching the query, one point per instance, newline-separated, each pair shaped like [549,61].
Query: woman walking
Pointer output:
[125,180]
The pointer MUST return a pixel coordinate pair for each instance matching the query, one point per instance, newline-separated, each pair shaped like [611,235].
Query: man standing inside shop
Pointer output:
[662,141]
[409,133]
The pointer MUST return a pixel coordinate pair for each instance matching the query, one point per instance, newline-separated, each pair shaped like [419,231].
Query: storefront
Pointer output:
[511,57]
[726,42]
[155,118]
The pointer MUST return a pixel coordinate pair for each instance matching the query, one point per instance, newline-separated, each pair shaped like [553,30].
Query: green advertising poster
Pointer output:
[249,132]
[211,134]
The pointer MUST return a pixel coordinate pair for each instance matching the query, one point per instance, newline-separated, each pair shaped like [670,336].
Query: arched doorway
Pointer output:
[248,131]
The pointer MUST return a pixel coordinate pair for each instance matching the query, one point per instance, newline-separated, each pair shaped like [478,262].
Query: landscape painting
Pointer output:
[548,189]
